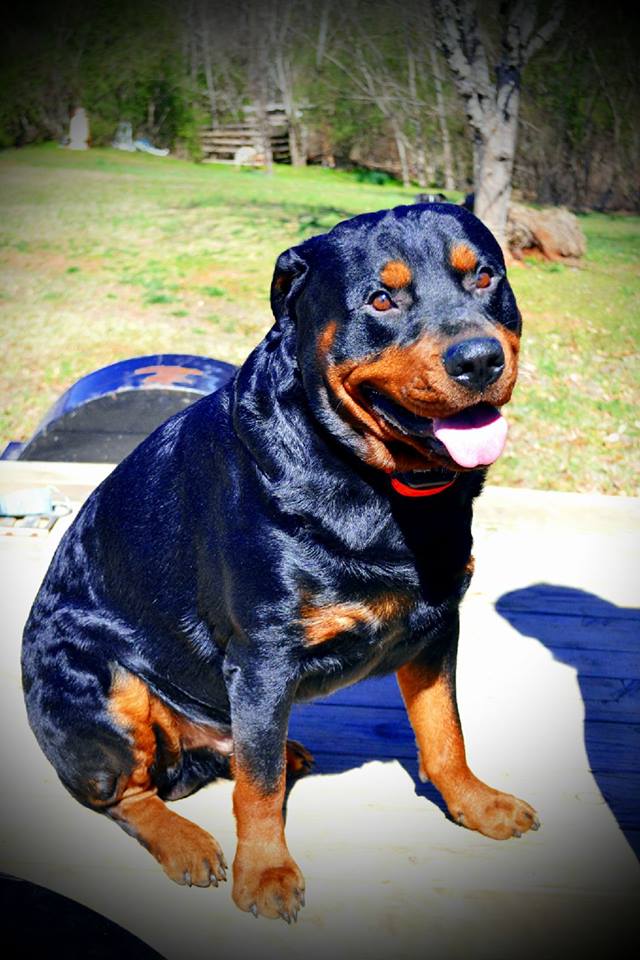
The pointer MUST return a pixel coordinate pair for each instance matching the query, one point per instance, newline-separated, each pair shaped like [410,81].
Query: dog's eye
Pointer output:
[381,301]
[483,279]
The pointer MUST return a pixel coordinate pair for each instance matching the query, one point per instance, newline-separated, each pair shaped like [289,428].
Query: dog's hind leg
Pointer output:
[299,761]
[187,853]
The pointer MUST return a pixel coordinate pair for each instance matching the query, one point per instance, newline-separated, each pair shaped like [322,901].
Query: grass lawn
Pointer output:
[106,255]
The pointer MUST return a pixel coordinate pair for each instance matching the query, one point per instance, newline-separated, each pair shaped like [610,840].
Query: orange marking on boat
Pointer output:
[168,375]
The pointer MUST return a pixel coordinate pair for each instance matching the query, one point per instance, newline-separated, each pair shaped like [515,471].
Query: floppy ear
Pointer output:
[288,278]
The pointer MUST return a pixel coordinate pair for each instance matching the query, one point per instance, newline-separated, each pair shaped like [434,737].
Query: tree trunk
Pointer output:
[422,175]
[259,83]
[495,167]
[208,67]
[401,147]
[447,164]
[284,75]
[492,110]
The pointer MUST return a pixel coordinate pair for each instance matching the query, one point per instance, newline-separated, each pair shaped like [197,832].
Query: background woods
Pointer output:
[429,92]
[106,254]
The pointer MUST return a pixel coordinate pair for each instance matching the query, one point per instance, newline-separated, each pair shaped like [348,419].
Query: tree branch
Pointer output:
[544,33]
[462,47]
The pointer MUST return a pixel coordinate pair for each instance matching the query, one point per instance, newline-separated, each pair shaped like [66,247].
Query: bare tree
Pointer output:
[285,40]
[447,161]
[492,105]
[205,25]
[386,70]
[258,24]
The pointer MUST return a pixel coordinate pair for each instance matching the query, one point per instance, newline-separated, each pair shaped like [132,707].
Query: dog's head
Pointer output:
[407,335]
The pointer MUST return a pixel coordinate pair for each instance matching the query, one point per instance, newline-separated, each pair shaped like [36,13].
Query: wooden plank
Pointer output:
[613,746]
[225,138]
[548,600]
[213,131]
[606,698]
[360,731]
[582,632]
[378,692]
[621,791]
[386,733]
[614,664]
[245,132]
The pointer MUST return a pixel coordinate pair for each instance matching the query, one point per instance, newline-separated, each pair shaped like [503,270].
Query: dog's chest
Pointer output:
[348,641]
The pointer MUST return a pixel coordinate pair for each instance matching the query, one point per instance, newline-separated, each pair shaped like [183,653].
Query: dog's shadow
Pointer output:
[368,722]
[600,641]
[358,725]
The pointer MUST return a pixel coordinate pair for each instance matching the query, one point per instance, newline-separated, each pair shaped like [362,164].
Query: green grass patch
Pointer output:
[106,255]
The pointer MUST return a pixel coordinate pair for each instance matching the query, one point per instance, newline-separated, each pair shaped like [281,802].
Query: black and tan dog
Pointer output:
[304,527]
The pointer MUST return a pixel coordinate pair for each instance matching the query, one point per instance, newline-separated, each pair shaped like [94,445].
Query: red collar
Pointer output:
[406,491]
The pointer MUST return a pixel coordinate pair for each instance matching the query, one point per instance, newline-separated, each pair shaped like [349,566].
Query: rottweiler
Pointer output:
[304,527]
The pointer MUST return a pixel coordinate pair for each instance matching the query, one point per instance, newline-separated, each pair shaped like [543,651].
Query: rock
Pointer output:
[552,233]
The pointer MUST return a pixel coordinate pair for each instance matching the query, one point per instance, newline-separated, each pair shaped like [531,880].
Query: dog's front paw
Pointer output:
[267,890]
[497,815]
[189,855]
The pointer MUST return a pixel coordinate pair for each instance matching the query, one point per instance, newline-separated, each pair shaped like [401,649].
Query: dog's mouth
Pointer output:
[473,437]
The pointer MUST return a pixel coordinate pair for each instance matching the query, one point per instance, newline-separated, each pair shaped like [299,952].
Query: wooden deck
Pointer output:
[549,682]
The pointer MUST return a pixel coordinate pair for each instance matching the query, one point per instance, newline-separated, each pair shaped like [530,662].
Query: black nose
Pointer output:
[475,363]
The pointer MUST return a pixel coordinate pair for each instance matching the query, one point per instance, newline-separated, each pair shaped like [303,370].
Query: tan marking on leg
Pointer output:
[396,274]
[186,852]
[266,880]
[463,258]
[130,705]
[324,623]
[134,707]
[299,759]
[433,714]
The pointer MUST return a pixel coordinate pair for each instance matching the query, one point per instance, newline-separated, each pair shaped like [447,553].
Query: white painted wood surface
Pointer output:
[387,875]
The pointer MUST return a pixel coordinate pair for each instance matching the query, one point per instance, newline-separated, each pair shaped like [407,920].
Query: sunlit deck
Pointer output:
[548,688]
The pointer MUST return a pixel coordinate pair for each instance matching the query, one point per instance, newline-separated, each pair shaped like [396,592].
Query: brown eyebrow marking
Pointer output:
[396,274]
[463,258]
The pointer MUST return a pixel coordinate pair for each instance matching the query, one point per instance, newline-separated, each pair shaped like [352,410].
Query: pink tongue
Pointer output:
[473,437]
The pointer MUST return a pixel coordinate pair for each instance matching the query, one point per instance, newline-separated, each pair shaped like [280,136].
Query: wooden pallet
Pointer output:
[221,144]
